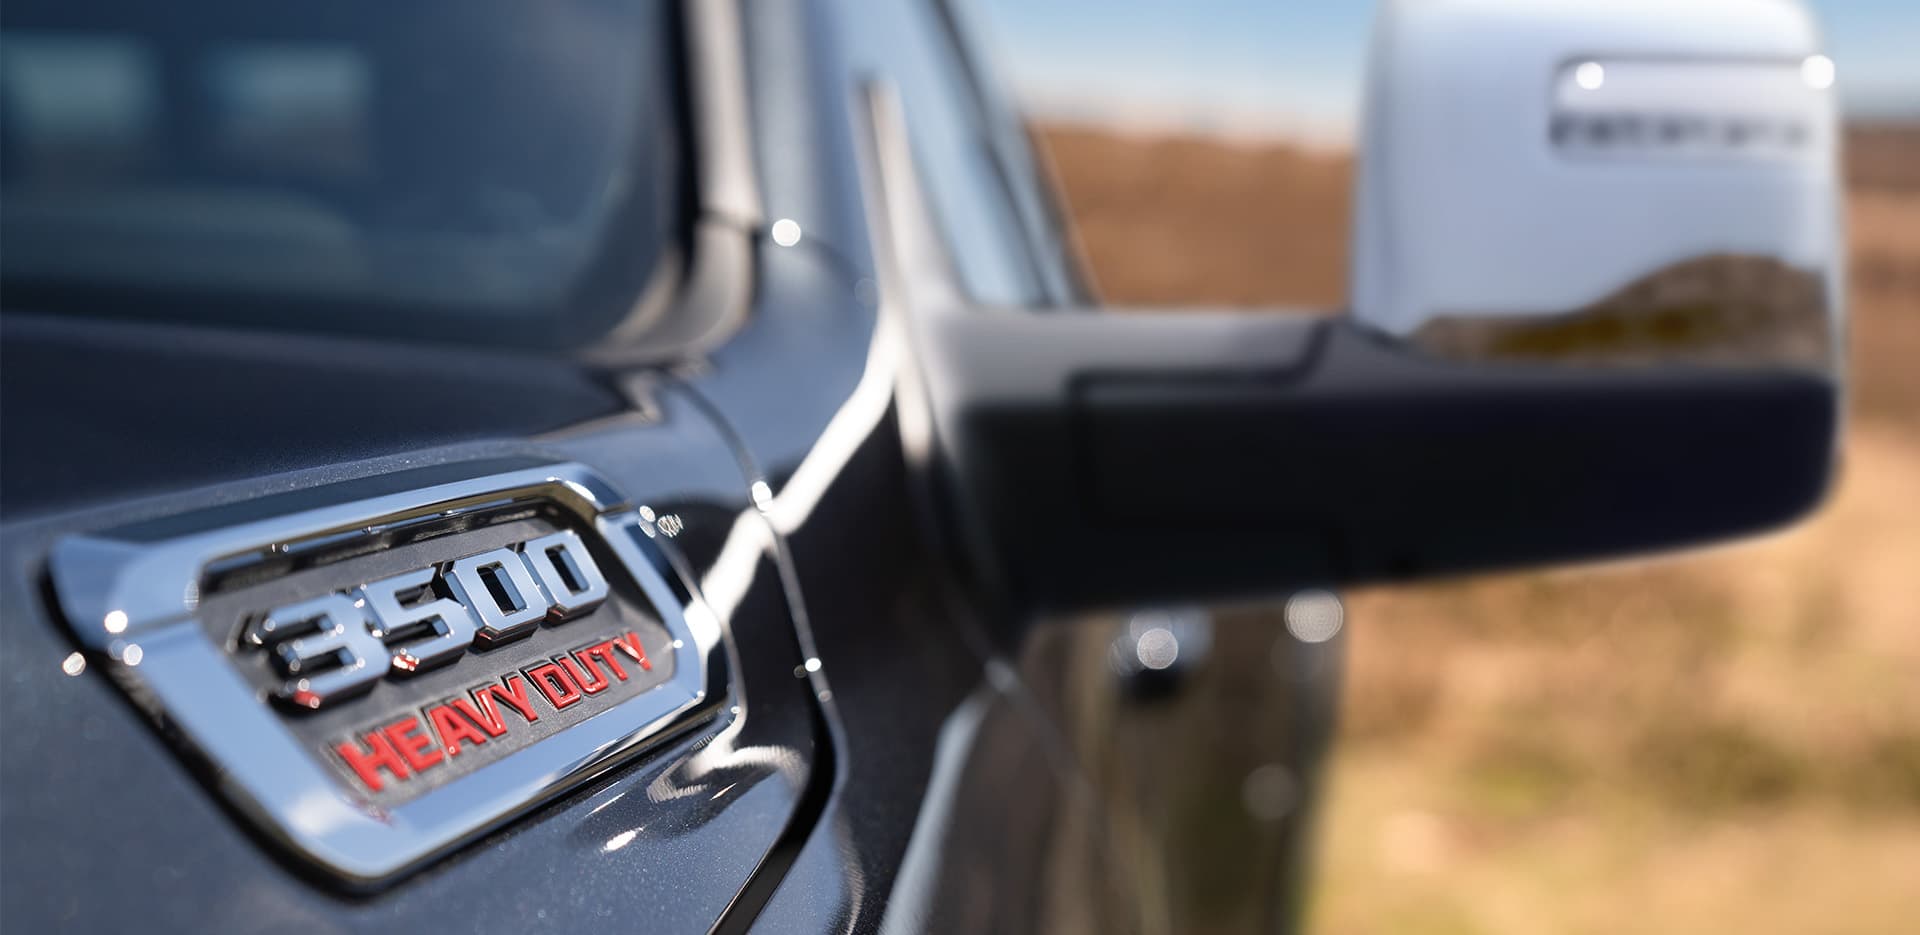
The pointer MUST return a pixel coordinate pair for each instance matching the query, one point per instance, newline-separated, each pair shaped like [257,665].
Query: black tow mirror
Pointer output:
[1112,459]
[1596,313]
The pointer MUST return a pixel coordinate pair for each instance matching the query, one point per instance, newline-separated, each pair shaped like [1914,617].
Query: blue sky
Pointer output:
[1296,64]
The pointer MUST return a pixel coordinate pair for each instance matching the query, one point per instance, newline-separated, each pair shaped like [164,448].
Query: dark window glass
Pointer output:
[495,167]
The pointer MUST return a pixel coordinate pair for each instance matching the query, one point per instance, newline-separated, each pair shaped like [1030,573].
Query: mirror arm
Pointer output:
[1115,459]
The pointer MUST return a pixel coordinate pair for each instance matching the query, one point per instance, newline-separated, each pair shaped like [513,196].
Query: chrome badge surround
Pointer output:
[131,595]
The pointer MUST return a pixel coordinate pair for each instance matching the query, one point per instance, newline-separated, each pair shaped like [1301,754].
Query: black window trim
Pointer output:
[1052,250]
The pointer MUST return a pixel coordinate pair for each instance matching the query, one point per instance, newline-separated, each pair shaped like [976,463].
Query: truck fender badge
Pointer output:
[379,678]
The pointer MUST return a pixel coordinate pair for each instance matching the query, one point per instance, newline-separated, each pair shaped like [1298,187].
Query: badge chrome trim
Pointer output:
[132,594]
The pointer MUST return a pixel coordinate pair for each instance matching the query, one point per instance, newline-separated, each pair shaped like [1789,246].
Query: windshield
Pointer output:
[354,164]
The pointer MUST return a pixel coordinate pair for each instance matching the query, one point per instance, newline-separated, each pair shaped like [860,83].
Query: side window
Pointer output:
[1032,189]
[909,44]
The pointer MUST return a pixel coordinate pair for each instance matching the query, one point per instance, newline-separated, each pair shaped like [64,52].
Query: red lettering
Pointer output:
[603,651]
[515,695]
[410,744]
[556,684]
[581,670]
[630,644]
[378,756]
[453,728]
[486,715]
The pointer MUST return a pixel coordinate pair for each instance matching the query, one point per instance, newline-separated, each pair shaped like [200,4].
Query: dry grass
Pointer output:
[1149,213]
[1721,741]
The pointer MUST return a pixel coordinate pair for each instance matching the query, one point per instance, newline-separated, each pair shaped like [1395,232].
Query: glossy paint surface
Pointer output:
[124,835]
[905,753]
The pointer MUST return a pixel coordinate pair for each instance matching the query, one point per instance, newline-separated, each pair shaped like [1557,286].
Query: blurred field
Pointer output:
[1726,740]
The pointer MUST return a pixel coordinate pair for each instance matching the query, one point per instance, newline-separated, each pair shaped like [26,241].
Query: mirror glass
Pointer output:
[1621,183]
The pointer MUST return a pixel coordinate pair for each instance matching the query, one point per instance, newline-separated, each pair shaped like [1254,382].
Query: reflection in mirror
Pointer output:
[1675,200]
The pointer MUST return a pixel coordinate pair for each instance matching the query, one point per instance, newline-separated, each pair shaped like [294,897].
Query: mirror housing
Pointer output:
[1105,460]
